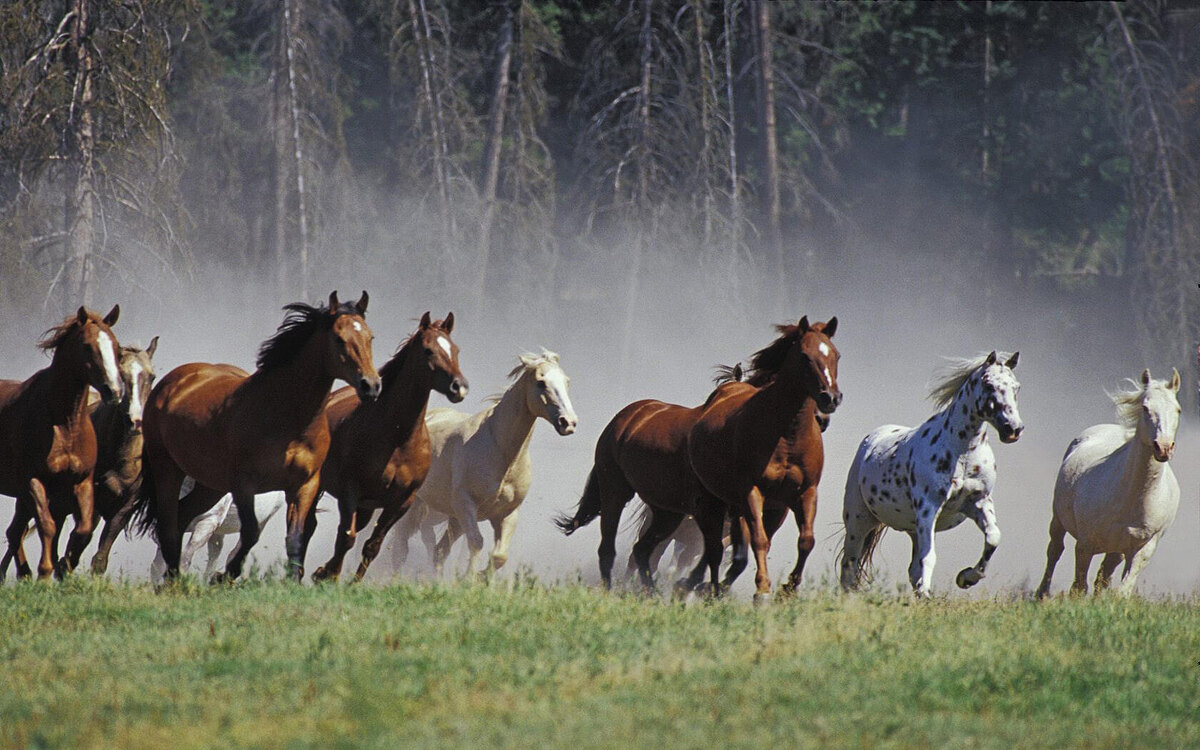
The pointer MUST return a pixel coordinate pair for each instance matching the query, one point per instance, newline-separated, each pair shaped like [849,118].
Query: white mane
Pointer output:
[956,372]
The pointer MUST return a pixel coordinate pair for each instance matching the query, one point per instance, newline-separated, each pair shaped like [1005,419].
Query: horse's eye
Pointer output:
[541,384]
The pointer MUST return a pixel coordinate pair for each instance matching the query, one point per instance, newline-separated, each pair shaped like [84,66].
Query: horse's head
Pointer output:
[996,396]
[546,387]
[137,373]
[816,358]
[85,340]
[440,354]
[1157,414]
[349,355]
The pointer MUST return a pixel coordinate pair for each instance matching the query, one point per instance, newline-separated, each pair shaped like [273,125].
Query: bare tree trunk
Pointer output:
[735,189]
[641,210]
[291,22]
[770,146]
[80,209]
[491,157]
[280,135]
[429,92]
[704,63]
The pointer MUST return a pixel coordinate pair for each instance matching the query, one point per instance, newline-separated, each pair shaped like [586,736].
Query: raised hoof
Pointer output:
[762,600]
[968,577]
[320,575]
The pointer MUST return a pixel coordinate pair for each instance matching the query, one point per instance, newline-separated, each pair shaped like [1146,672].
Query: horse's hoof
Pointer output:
[761,600]
[968,577]
[320,575]
[219,579]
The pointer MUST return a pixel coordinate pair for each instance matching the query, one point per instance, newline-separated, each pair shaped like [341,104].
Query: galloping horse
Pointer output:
[380,452]
[1115,491]
[481,469]
[933,476]
[212,526]
[47,442]
[644,449]
[761,439]
[232,431]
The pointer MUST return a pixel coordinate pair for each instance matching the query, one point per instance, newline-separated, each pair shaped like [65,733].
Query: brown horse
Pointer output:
[249,433]
[753,441]
[47,443]
[380,452]
[118,472]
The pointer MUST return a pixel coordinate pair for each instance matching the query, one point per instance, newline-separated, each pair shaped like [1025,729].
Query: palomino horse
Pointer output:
[212,526]
[1116,492]
[644,450]
[245,433]
[757,450]
[47,442]
[481,469]
[933,476]
[118,471]
[380,452]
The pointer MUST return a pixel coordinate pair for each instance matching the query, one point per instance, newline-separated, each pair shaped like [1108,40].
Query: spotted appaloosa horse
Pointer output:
[1116,493]
[933,476]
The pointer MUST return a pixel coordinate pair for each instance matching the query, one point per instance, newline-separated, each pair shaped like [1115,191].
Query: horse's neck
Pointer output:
[1139,471]
[68,391]
[299,387]
[952,430]
[510,422]
[406,400]
[772,410]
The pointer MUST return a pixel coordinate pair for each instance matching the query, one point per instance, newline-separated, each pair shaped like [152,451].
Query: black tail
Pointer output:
[145,507]
[586,511]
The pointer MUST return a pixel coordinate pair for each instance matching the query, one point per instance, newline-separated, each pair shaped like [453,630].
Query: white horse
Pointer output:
[481,469]
[1116,493]
[933,476]
[212,526]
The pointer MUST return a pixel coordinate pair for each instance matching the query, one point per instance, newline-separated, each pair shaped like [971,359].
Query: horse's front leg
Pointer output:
[300,504]
[392,513]
[347,533]
[760,542]
[465,511]
[924,557]
[47,528]
[244,502]
[504,535]
[442,547]
[18,529]
[805,516]
[984,515]
[1134,565]
[81,535]
[112,529]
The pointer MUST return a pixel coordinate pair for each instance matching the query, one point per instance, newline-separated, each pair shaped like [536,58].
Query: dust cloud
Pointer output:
[900,311]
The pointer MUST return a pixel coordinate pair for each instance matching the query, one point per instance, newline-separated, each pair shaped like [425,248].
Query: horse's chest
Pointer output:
[69,454]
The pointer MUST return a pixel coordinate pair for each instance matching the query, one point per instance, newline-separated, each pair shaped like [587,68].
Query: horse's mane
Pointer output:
[1129,400]
[55,335]
[956,372]
[766,363]
[301,321]
[525,361]
[391,370]
[728,374]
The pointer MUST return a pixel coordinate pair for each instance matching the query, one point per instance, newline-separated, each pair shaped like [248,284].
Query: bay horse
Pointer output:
[1115,492]
[118,471]
[761,439]
[47,442]
[481,470]
[233,431]
[933,476]
[380,451]
[210,528]
[644,450]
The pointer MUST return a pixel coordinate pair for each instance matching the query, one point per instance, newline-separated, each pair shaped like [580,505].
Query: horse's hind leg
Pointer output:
[984,515]
[805,516]
[1083,561]
[16,533]
[1107,566]
[1054,551]
[739,556]
[244,502]
[862,531]
[347,533]
[387,519]
[662,524]
[113,526]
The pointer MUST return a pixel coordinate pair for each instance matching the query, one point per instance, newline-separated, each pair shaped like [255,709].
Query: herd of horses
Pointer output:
[196,451]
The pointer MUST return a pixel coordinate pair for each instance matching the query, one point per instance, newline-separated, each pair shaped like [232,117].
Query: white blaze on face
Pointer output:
[823,348]
[135,391]
[357,326]
[445,344]
[110,361]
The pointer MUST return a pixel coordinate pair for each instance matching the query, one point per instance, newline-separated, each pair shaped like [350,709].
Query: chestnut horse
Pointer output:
[750,442]
[47,443]
[381,452]
[118,472]
[644,450]
[232,431]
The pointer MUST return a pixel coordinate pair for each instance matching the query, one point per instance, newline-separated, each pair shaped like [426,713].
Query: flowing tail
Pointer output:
[587,510]
[145,508]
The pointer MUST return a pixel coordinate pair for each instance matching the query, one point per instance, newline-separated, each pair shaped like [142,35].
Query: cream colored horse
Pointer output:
[1116,493]
[481,469]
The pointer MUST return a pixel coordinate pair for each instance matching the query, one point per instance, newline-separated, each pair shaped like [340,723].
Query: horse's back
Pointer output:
[646,443]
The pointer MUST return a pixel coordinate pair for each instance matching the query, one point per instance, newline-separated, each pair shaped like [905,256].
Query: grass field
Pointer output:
[519,664]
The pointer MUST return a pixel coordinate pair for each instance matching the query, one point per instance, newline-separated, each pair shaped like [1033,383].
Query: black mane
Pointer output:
[298,326]
[768,361]
[391,370]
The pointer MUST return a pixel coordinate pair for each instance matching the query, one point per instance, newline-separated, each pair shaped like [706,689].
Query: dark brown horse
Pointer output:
[753,441]
[232,431]
[47,443]
[380,452]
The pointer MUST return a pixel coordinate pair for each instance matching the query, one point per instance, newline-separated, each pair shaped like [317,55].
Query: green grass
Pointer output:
[265,664]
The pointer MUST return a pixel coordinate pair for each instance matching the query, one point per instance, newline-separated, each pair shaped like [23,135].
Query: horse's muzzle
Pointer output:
[1163,453]
[828,402]
[1010,434]
[458,390]
[565,425]
[369,388]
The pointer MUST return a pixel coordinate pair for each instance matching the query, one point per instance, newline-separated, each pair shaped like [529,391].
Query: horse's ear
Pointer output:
[803,324]
[361,305]
[153,347]
[991,359]
[448,323]
[831,327]
[1146,376]
[110,320]
[333,302]
[81,315]
[425,320]
[1012,361]
[1175,380]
